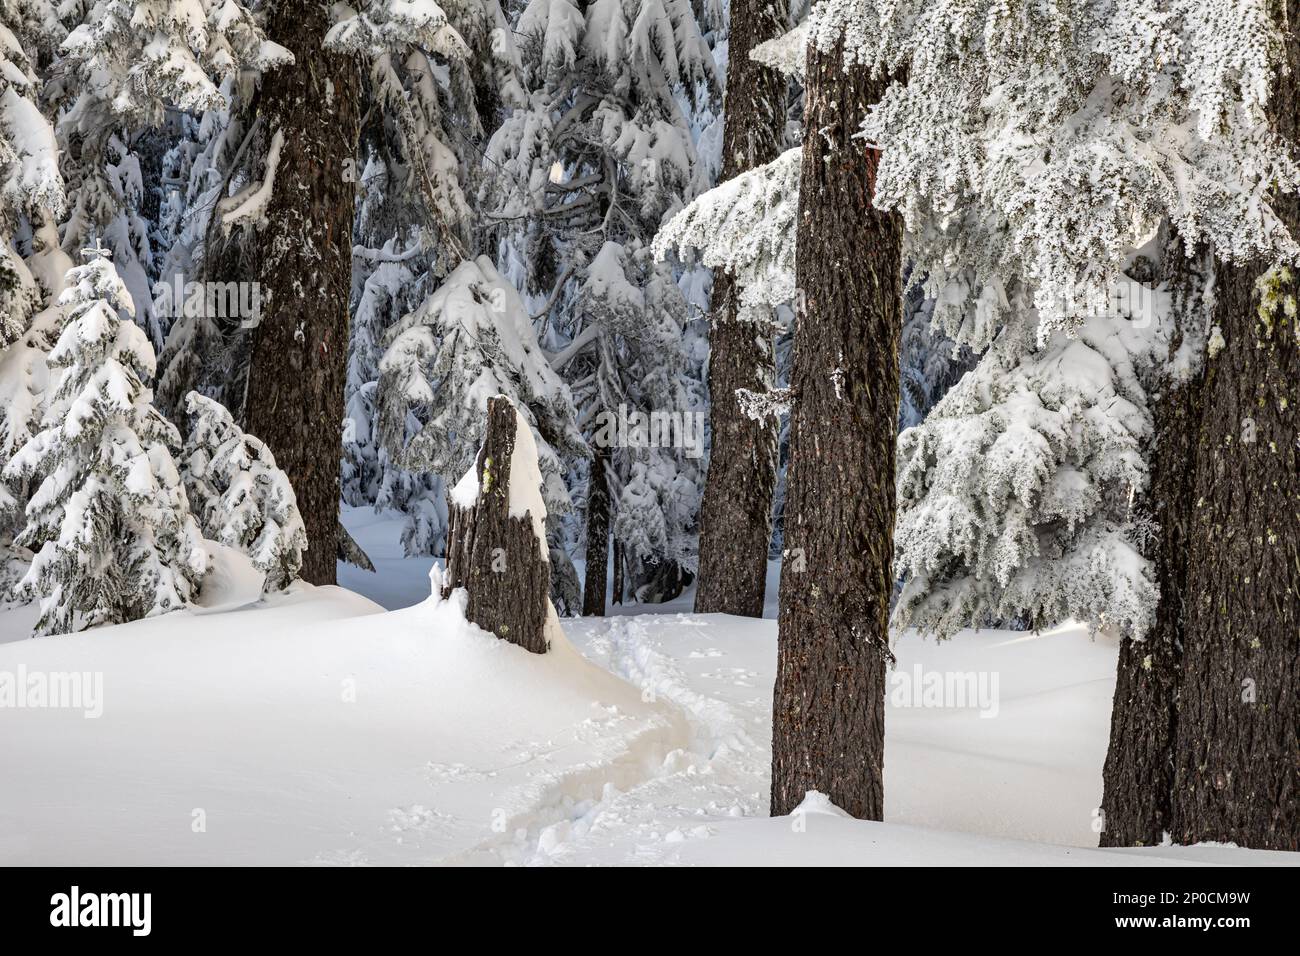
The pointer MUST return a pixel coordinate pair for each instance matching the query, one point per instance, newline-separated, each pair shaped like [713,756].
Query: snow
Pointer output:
[526,482]
[249,205]
[231,582]
[315,728]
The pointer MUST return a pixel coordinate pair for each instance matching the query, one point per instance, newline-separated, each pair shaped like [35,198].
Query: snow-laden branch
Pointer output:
[249,204]
[745,226]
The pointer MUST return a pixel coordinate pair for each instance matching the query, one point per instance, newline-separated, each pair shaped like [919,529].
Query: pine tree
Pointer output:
[736,517]
[473,338]
[124,64]
[33,189]
[239,495]
[578,179]
[415,221]
[198,172]
[303,253]
[1235,777]
[110,522]
[836,581]
[32,265]
[1035,152]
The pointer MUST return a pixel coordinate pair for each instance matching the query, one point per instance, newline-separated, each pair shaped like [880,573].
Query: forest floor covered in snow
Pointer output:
[317,728]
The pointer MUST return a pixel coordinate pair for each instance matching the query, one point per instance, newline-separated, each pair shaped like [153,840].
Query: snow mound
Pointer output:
[231,582]
[311,728]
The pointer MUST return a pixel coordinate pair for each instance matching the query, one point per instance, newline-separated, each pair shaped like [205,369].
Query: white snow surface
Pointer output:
[316,728]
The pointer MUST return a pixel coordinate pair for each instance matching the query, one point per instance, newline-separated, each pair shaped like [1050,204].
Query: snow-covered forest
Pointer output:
[616,431]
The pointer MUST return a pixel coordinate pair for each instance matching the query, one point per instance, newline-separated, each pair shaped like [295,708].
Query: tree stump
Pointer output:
[495,556]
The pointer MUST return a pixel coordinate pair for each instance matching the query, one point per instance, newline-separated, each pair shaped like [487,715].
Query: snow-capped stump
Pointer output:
[496,546]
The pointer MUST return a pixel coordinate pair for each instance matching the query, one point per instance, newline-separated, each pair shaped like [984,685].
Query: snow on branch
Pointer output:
[249,204]
[745,226]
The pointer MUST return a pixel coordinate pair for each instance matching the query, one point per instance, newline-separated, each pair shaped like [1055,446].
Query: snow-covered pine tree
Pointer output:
[239,496]
[386,285]
[124,63]
[439,74]
[637,310]
[194,178]
[33,192]
[32,264]
[1129,111]
[110,522]
[1016,495]
[414,222]
[470,340]
[389,281]
[1034,151]
[311,117]
[833,652]
[602,153]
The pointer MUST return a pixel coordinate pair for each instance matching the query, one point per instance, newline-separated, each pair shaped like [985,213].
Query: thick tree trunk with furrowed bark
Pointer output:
[1205,737]
[736,514]
[836,579]
[304,252]
[496,557]
[1139,770]
[1237,746]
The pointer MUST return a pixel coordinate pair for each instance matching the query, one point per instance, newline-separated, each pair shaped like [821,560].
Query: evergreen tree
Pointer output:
[467,342]
[1035,152]
[239,495]
[736,518]
[581,178]
[301,256]
[125,62]
[110,522]
[836,581]
[32,265]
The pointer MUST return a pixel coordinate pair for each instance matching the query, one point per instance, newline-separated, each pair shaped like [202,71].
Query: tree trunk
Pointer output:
[595,577]
[1139,771]
[496,558]
[617,590]
[296,376]
[736,514]
[1237,748]
[836,579]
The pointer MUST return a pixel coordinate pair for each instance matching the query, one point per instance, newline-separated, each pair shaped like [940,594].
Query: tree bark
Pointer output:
[836,579]
[616,593]
[296,376]
[1237,747]
[1217,691]
[495,557]
[736,514]
[595,577]
[1139,772]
